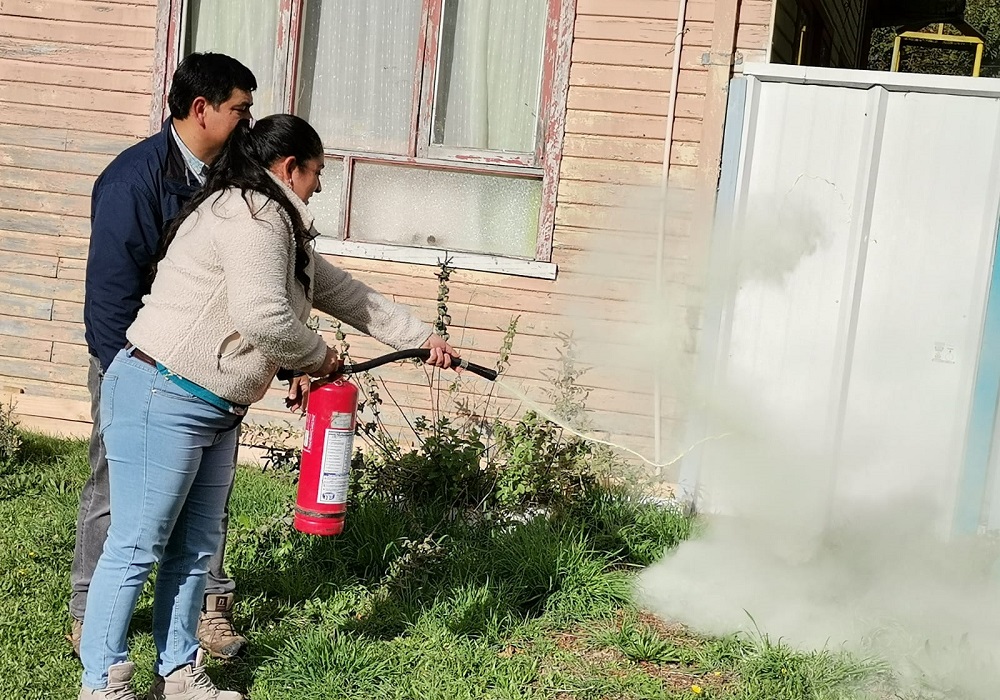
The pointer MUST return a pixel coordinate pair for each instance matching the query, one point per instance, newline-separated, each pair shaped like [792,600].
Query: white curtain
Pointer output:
[490,74]
[358,71]
[226,26]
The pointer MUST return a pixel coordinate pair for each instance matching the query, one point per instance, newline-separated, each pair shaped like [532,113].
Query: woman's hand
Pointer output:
[330,365]
[442,353]
[298,393]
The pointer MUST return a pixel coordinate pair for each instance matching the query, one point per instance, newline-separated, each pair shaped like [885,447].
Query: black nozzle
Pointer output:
[418,354]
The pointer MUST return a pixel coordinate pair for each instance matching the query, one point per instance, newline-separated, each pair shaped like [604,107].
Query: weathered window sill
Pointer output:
[432,256]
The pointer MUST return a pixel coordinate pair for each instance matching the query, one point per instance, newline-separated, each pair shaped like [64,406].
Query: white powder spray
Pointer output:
[874,577]
[814,540]
[823,543]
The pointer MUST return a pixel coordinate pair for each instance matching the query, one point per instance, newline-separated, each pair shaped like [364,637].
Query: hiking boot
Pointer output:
[190,683]
[75,633]
[215,628]
[119,685]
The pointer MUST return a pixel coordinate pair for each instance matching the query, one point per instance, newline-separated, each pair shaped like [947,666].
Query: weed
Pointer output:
[507,346]
[624,523]
[639,642]
[568,398]
[536,467]
[474,412]
[776,671]
[10,438]
[370,426]
[280,443]
[442,471]
[443,320]
[412,564]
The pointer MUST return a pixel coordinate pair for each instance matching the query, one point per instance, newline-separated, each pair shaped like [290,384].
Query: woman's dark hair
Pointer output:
[244,162]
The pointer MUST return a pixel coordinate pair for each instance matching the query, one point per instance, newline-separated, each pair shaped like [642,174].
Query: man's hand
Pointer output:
[298,393]
[441,352]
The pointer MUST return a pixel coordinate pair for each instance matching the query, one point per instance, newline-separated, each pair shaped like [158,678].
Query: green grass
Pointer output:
[406,605]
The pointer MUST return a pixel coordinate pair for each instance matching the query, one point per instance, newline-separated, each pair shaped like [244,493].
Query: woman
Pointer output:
[227,308]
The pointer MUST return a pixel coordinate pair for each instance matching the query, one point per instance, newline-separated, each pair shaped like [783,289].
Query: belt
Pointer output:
[140,355]
[195,390]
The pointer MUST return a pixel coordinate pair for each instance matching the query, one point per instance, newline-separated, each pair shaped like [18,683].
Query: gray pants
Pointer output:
[95,515]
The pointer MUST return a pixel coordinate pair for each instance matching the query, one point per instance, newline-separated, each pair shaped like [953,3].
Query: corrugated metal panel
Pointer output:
[865,219]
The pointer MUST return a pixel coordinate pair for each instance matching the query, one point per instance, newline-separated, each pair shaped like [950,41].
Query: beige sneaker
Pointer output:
[119,684]
[190,683]
[75,633]
[215,628]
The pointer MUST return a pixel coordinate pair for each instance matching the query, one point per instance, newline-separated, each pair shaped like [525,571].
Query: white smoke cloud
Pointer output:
[825,544]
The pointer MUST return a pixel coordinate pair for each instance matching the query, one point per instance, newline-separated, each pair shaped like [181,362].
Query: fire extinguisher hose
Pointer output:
[419,354]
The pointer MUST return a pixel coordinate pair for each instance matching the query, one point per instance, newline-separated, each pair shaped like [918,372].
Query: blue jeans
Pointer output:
[170,458]
[95,516]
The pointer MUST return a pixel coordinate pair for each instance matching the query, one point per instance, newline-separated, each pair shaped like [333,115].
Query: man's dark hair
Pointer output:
[213,76]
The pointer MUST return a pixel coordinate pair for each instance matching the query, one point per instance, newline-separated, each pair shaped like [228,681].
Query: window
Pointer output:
[442,119]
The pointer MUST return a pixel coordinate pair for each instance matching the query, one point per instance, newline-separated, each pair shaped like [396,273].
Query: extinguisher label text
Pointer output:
[342,421]
[336,467]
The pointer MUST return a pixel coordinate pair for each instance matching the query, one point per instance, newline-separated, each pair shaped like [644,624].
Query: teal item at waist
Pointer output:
[202,393]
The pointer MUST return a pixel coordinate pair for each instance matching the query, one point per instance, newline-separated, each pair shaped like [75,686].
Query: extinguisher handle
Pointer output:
[418,354]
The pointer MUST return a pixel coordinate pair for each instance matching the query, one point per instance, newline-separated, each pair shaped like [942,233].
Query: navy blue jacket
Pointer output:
[133,202]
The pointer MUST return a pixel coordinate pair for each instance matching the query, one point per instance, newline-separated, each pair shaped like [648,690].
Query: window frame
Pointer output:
[541,165]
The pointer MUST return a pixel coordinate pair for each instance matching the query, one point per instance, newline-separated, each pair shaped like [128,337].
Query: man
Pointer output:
[133,201]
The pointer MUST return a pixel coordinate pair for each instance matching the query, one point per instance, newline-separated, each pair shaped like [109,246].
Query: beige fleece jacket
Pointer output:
[226,310]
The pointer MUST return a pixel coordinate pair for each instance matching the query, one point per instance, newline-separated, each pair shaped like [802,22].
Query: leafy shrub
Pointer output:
[537,467]
[10,437]
[444,470]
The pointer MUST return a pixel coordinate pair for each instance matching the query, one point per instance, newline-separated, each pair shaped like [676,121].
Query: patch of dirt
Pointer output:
[612,662]
[668,630]
[567,641]
[677,677]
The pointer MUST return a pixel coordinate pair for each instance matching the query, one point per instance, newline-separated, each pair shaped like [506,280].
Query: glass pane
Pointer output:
[357,72]
[325,205]
[490,74]
[224,26]
[445,209]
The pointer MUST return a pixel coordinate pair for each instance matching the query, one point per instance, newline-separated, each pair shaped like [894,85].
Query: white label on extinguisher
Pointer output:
[342,421]
[336,466]
[307,442]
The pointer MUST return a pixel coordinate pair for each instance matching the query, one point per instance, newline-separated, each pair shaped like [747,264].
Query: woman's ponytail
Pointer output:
[243,164]
[237,161]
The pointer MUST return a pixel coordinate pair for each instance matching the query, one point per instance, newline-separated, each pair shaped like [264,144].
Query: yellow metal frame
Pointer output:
[943,38]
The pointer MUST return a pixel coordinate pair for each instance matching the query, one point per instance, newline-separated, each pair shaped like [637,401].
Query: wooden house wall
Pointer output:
[75,84]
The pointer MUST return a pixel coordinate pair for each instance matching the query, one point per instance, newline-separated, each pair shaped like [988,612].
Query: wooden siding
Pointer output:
[754,31]
[845,23]
[75,84]
[784,40]
[75,79]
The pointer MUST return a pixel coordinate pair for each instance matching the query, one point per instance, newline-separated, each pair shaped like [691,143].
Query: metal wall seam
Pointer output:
[854,276]
[735,133]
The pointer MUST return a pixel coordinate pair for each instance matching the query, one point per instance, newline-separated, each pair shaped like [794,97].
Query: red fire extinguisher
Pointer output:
[328,444]
[327,448]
